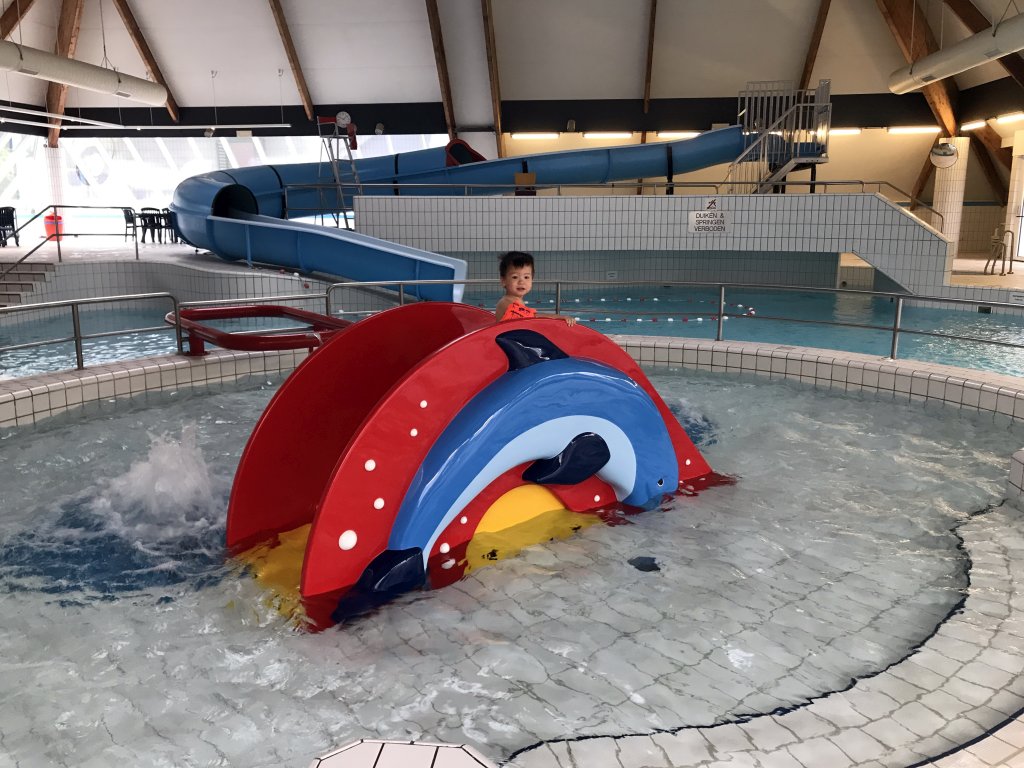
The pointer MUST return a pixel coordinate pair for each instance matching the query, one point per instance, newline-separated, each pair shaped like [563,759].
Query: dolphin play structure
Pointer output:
[247,213]
[385,463]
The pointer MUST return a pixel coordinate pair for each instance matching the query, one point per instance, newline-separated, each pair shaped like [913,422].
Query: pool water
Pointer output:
[692,312]
[833,556]
[644,310]
[57,357]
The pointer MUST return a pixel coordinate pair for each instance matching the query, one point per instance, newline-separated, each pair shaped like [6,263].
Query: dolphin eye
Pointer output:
[661,481]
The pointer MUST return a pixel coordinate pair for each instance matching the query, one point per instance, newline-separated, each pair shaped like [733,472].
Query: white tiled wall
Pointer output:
[977,225]
[186,282]
[889,238]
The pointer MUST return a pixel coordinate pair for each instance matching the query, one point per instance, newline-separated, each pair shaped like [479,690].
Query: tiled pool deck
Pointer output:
[955,701]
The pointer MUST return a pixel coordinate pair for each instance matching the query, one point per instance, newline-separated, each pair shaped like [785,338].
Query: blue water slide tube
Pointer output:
[244,213]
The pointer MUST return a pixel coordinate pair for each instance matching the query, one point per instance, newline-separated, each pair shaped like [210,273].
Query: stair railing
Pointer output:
[800,130]
[60,233]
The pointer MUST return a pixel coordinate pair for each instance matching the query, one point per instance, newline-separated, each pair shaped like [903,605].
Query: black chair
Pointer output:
[152,223]
[8,226]
[167,219]
[131,227]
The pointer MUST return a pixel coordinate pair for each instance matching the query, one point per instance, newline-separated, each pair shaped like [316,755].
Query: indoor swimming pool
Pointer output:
[640,310]
[836,555]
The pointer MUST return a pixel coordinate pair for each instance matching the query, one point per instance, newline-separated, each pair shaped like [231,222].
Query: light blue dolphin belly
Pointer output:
[530,414]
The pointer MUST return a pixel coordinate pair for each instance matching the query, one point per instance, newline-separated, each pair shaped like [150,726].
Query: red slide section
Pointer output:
[291,454]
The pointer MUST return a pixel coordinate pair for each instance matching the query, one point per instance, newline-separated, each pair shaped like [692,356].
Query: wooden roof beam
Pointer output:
[652,20]
[976,22]
[293,57]
[492,70]
[68,27]
[999,187]
[13,16]
[442,68]
[910,28]
[812,48]
[146,54]
[922,179]
[991,139]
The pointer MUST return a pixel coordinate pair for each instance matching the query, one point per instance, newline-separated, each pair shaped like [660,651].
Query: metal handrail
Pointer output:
[61,233]
[77,336]
[896,329]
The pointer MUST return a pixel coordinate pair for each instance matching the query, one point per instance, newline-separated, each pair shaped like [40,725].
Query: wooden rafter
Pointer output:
[492,70]
[442,68]
[976,22]
[650,57]
[293,57]
[910,28]
[922,179]
[146,54]
[67,40]
[812,47]
[991,139]
[995,181]
[12,17]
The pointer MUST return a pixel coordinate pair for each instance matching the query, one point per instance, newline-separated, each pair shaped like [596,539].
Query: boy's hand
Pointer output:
[569,320]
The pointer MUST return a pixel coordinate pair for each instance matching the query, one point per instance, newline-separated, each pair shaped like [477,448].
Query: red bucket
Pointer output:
[54,226]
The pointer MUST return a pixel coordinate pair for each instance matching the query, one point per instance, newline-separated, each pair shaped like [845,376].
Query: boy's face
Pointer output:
[518,281]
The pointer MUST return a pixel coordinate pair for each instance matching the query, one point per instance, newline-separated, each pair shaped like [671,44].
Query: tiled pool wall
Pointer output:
[186,282]
[977,225]
[785,239]
[26,401]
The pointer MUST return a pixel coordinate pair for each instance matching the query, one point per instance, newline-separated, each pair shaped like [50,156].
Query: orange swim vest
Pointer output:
[517,311]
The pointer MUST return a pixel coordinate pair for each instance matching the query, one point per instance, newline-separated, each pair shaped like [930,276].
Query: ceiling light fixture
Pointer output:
[534,136]
[1004,38]
[37,113]
[973,125]
[677,134]
[608,135]
[1013,117]
[844,131]
[179,127]
[43,65]
[909,129]
[16,121]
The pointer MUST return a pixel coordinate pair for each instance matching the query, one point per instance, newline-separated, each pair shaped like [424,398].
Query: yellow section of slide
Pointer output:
[522,517]
[278,569]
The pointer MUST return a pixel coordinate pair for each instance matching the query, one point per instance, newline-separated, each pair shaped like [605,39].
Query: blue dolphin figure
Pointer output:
[531,414]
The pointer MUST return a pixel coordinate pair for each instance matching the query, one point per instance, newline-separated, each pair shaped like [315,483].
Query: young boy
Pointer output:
[516,270]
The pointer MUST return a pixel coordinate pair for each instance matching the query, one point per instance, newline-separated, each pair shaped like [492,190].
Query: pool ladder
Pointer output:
[999,251]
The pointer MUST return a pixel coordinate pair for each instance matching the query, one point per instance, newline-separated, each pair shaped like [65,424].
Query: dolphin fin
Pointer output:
[524,348]
[583,457]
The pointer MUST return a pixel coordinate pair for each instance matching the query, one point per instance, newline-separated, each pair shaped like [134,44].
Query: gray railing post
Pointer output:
[177,326]
[58,228]
[401,294]
[558,297]
[896,327]
[721,312]
[77,325]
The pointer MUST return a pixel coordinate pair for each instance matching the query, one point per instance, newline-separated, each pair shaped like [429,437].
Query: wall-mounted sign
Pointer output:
[709,222]
[1017,298]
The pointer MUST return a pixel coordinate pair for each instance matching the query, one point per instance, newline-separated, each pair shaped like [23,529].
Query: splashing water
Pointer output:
[159,523]
[165,495]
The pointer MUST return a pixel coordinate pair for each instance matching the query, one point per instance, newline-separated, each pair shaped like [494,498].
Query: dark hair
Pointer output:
[514,259]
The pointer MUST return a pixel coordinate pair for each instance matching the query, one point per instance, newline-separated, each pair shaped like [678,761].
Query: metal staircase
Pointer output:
[787,130]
